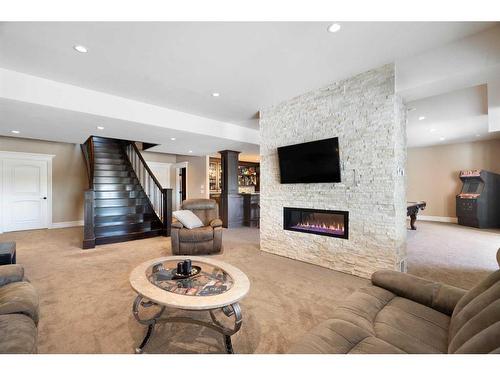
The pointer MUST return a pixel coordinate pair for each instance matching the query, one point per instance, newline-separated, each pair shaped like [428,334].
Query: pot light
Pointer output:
[80,48]
[333,28]
[478,135]
[100,128]
[172,139]
[432,130]
[215,94]
[421,118]
[190,151]
[442,138]
[15,131]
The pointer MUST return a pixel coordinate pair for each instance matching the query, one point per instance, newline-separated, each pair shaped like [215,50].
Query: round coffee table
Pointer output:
[217,288]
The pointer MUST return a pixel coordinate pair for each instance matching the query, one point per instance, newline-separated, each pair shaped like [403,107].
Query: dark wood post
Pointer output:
[88,220]
[231,200]
[167,211]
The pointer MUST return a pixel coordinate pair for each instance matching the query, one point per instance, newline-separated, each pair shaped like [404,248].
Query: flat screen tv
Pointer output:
[310,162]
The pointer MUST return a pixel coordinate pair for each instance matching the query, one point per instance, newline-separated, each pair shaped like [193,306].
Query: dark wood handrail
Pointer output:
[88,155]
[146,166]
[159,199]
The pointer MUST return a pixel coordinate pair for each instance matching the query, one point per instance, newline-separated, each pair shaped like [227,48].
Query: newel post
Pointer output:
[167,211]
[88,220]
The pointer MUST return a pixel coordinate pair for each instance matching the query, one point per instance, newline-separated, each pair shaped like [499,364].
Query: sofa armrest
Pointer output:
[216,223]
[10,273]
[176,224]
[440,297]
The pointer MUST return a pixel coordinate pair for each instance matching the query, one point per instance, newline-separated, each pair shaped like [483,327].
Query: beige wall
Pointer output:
[158,157]
[197,175]
[69,176]
[432,172]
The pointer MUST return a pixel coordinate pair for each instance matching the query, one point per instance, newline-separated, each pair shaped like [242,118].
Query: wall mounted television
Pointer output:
[310,162]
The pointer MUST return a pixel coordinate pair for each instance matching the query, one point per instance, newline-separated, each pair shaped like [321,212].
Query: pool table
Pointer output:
[412,209]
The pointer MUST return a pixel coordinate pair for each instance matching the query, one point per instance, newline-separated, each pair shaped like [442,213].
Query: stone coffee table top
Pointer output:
[217,285]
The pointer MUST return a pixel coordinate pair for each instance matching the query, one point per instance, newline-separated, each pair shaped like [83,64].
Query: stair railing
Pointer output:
[159,197]
[89,196]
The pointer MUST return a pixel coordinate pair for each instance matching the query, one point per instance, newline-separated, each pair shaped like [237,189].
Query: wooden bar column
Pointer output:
[88,220]
[167,211]
[231,201]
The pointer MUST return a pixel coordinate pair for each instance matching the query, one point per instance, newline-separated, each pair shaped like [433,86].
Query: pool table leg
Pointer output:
[413,218]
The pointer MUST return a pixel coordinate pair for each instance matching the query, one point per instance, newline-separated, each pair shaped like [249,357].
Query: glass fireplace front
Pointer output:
[321,222]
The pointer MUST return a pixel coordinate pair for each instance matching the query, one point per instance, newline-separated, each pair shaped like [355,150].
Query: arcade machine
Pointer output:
[478,204]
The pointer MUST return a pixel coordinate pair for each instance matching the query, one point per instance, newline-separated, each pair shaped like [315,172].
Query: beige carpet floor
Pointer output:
[451,253]
[86,298]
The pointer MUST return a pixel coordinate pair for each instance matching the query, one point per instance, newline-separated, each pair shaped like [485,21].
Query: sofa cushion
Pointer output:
[197,248]
[475,323]
[374,320]
[20,297]
[340,337]
[412,327]
[10,273]
[188,219]
[18,334]
[196,235]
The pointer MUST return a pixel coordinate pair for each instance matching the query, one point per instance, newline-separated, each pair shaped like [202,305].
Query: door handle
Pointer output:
[44,198]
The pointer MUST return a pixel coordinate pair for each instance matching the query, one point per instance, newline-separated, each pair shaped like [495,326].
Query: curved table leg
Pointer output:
[230,310]
[227,332]
[138,302]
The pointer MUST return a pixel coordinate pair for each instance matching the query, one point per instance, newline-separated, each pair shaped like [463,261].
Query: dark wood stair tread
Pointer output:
[128,237]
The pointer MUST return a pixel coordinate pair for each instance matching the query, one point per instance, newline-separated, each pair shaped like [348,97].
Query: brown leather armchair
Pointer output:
[198,241]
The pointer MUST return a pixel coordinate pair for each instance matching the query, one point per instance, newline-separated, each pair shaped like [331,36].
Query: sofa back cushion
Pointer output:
[475,323]
[206,209]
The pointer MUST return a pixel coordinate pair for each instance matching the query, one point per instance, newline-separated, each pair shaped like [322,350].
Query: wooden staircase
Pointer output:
[119,206]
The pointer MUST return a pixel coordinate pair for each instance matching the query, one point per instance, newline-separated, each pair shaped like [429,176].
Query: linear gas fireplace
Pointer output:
[321,222]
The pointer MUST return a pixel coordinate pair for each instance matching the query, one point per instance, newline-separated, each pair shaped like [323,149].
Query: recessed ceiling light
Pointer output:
[172,139]
[333,28]
[432,130]
[442,138]
[80,48]
[421,118]
[190,151]
[215,94]
[100,128]
[15,131]
[478,135]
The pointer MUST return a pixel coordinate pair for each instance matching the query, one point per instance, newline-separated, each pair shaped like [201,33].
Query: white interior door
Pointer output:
[177,201]
[25,200]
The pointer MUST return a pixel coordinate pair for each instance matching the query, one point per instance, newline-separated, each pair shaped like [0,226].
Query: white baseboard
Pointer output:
[67,224]
[442,219]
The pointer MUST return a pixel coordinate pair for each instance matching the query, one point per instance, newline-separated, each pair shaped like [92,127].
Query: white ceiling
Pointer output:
[55,124]
[454,117]
[178,65]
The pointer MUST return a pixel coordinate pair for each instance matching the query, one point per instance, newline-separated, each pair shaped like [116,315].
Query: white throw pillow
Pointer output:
[188,219]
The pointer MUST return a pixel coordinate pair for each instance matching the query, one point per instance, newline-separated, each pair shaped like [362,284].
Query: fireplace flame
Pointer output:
[324,227]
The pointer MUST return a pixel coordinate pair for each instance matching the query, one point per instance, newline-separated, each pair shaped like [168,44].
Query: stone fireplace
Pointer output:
[368,117]
[320,222]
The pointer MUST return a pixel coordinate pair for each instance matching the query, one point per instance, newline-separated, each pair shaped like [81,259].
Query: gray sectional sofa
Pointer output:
[401,313]
[18,311]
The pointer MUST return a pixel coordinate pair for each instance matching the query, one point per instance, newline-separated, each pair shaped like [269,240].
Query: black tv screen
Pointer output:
[310,162]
